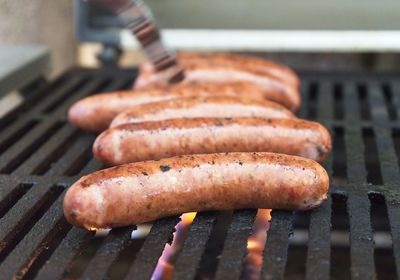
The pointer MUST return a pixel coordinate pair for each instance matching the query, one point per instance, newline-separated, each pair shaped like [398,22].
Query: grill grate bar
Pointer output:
[41,157]
[147,258]
[275,252]
[394,214]
[189,259]
[60,167]
[325,101]
[6,188]
[33,97]
[22,212]
[26,145]
[15,132]
[356,171]
[395,90]
[118,83]
[318,254]
[351,105]
[107,253]
[93,86]
[89,86]
[91,166]
[68,87]
[387,156]
[379,111]
[235,247]
[22,257]
[361,238]
[62,257]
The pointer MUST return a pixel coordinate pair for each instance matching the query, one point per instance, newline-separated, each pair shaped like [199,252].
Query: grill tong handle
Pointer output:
[137,17]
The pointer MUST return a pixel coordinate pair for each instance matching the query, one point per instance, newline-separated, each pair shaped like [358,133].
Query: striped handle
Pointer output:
[135,15]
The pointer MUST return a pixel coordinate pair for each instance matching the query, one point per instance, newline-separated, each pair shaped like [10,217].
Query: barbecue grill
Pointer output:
[355,233]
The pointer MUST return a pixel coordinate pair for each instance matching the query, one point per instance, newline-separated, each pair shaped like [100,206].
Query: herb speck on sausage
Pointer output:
[165,168]
[145,174]
[148,206]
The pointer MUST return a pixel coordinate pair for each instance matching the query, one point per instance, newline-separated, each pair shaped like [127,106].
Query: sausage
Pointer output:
[196,73]
[276,70]
[155,140]
[262,65]
[95,113]
[211,106]
[146,191]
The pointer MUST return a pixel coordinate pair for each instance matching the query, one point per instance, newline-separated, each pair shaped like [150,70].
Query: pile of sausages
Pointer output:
[224,138]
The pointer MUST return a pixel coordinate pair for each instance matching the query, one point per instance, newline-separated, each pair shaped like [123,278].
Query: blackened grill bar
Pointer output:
[41,155]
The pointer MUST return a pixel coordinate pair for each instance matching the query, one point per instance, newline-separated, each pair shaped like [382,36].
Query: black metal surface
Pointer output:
[41,155]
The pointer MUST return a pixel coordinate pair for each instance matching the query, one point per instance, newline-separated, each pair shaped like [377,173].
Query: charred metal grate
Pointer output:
[355,234]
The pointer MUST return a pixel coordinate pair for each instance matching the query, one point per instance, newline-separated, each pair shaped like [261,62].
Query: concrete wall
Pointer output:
[45,22]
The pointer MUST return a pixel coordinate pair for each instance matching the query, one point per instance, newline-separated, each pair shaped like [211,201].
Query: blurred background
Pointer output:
[344,35]
[43,22]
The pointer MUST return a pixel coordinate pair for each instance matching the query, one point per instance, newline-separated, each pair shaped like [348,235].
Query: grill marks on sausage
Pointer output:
[224,107]
[278,181]
[96,112]
[213,135]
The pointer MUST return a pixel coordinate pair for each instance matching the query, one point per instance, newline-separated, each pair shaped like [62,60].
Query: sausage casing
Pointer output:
[196,107]
[205,73]
[161,139]
[95,113]
[276,70]
[146,191]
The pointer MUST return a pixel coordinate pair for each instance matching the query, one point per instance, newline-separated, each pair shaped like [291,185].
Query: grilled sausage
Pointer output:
[147,191]
[212,106]
[95,113]
[276,70]
[155,140]
[267,67]
[196,73]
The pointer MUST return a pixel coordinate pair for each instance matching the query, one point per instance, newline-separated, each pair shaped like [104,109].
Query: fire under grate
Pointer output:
[355,234]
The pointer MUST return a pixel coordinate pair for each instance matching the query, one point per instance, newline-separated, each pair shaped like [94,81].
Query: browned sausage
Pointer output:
[205,73]
[156,140]
[95,113]
[146,191]
[262,65]
[212,106]
[267,67]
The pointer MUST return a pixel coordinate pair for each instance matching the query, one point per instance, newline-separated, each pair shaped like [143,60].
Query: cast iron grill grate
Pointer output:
[355,234]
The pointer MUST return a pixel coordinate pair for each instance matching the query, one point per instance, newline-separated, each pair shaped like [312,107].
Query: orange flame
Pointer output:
[256,244]
[165,267]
